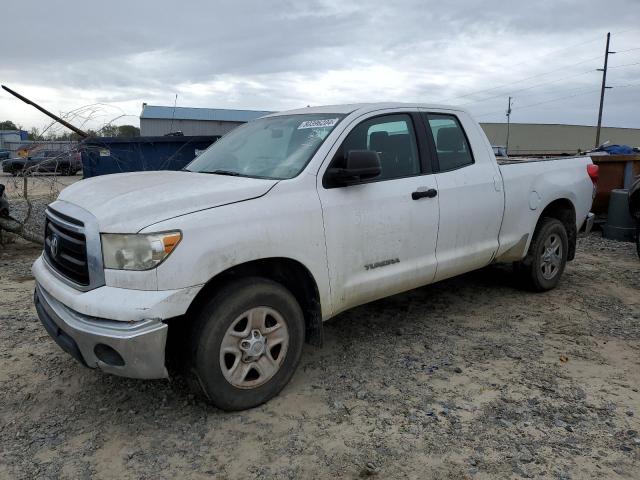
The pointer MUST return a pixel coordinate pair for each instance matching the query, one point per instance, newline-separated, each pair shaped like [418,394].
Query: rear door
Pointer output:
[380,240]
[471,199]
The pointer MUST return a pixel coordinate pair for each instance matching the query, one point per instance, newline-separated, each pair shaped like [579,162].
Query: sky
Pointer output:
[97,63]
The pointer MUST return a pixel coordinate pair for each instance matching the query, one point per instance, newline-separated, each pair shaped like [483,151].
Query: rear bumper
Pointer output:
[129,349]
[587,226]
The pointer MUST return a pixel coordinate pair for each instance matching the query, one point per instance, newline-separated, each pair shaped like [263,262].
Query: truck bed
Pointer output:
[514,160]
[533,185]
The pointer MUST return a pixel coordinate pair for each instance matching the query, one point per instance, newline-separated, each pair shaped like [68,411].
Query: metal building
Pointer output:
[524,138]
[11,139]
[555,139]
[159,120]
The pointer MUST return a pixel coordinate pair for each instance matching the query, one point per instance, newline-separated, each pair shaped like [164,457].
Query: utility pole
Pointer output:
[604,87]
[506,147]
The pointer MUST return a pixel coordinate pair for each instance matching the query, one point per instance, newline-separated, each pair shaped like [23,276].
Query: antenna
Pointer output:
[175,101]
[506,147]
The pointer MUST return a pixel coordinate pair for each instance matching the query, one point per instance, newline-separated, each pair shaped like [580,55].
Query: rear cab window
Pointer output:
[451,143]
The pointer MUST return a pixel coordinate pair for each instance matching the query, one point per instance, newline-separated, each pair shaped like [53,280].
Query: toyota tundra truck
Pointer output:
[288,220]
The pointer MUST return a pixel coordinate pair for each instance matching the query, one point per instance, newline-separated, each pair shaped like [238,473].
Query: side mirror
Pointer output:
[360,165]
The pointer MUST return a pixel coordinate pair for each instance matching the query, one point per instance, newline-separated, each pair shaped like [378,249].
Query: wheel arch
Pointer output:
[564,210]
[290,273]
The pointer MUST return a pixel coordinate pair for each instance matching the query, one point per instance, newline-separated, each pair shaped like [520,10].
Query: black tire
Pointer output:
[530,269]
[64,170]
[213,322]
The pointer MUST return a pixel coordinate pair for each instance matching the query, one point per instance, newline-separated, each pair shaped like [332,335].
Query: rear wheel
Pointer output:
[544,264]
[247,343]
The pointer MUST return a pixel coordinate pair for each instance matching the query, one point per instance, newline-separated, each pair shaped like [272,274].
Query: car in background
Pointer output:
[499,150]
[49,161]
[4,154]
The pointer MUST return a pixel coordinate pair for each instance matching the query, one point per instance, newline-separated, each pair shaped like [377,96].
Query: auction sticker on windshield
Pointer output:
[326,122]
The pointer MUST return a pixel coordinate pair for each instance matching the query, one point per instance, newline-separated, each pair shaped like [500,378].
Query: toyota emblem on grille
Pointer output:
[53,245]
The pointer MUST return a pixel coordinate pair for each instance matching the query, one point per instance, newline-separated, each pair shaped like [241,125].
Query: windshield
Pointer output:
[273,147]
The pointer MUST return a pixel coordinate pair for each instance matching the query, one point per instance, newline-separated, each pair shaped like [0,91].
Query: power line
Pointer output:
[554,52]
[602,89]
[529,88]
[542,103]
[625,65]
[628,50]
[626,86]
[542,84]
[522,79]
[546,73]
[586,42]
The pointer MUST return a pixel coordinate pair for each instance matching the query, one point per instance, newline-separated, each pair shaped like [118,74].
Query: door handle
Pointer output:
[432,192]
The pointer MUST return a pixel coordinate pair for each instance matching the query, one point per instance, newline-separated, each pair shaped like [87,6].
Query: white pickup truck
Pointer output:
[284,223]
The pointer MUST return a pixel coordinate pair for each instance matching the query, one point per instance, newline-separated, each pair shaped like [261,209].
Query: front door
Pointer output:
[380,238]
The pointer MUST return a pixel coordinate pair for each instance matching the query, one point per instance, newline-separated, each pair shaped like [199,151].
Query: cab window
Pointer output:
[451,142]
[393,137]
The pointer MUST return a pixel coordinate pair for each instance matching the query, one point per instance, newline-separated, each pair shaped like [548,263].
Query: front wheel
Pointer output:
[544,264]
[246,343]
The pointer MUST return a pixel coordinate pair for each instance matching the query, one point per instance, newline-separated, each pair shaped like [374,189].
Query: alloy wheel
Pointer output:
[254,347]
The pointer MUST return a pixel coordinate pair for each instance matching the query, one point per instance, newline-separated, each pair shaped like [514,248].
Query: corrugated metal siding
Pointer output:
[150,127]
[532,139]
[58,146]
[204,114]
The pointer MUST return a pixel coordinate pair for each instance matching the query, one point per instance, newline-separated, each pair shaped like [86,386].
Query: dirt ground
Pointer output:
[40,185]
[468,378]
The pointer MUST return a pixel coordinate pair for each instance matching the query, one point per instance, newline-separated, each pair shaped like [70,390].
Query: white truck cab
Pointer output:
[282,224]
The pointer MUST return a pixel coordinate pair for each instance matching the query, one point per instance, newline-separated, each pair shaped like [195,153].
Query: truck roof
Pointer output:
[362,108]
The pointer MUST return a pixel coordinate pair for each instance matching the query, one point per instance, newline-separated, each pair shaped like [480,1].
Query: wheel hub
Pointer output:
[253,346]
[551,257]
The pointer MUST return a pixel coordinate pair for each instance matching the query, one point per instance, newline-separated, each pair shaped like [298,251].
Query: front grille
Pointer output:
[65,247]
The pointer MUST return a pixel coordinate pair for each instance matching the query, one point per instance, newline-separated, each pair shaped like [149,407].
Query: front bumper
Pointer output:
[131,349]
[115,303]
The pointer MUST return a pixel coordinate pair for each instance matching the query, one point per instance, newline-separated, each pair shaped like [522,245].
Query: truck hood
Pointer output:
[129,202]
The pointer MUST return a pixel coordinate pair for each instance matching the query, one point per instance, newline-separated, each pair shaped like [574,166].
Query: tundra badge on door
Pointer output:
[383,263]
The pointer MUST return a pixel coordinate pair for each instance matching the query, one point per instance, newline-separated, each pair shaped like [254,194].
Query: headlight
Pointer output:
[137,251]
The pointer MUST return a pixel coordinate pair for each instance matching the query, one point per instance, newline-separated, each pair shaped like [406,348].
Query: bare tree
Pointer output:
[39,183]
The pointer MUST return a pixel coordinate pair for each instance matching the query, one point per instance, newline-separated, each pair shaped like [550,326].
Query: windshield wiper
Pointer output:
[225,172]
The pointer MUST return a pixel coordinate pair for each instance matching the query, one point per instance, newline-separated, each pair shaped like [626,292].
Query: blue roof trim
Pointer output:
[189,113]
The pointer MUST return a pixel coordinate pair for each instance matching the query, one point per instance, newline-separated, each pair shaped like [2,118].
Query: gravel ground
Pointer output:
[468,378]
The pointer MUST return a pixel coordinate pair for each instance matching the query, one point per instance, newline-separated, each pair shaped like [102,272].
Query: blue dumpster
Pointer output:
[101,156]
